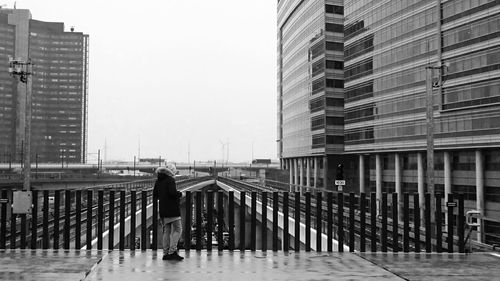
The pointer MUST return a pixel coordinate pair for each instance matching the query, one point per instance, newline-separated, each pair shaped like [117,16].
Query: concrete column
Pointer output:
[295,173]
[325,173]
[308,173]
[362,187]
[378,181]
[447,180]
[420,178]
[480,192]
[397,180]
[316,173]
[301,166]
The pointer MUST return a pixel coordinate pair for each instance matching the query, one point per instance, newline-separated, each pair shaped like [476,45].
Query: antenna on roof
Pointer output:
[15,2]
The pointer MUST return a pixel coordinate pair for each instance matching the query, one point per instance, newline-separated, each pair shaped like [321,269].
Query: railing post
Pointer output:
[45,233]
[329,223]
[352,202]
[297,222]
[319,232]
[23,231]
[111,220]
[78,218]
[3,221]
[308,221]
[67,218]
[395,224]
[13,225]
[57,201]
[384,222]
[416,222]
[187,222]
[220,220]
[451,223]
[199,212]
[340,228]
[242,220]
[34,220]
[253,222]
[264,221]
[362,222]
[428,231]
[88,229]
[275,220]
[406,223]
[439,225]
[100,218]
[461,224]
[286,215]
[210,210]
[121,245]
[144,220]
[373,221]
[133,210]
[231,221]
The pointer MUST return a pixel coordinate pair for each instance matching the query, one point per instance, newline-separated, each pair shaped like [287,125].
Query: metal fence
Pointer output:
[81,216]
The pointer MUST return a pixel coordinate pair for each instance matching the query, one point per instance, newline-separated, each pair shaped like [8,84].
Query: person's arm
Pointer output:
[172,189]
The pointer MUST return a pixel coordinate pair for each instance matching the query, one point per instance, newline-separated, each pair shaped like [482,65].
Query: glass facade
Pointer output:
[310,75]
[7,90]
[59,91]
[388,45]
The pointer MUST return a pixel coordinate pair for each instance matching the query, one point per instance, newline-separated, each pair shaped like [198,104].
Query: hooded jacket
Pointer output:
[165,190]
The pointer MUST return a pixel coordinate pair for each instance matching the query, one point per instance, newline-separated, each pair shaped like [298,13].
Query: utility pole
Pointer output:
[23,70]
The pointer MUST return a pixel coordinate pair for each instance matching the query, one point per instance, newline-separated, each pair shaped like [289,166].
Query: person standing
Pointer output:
[165,190]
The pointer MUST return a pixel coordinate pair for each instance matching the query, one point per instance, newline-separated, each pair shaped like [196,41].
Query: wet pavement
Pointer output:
[47,264]
[240,266]
[458,267]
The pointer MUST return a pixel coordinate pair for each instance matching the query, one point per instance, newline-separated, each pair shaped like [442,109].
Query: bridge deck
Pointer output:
[147,265]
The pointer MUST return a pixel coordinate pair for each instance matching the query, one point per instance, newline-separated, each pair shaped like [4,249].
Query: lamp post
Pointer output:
[23,70]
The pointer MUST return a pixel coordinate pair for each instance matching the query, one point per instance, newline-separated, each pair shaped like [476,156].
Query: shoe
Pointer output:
[175,256]
[167,257]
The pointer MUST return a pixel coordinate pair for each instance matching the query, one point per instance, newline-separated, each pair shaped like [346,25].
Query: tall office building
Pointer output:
[388,45]
[59,91]
[310,90]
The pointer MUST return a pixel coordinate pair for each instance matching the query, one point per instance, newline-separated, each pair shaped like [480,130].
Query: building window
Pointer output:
[334,46]
[331,27]
[334,9]
[330,64]
[335,83]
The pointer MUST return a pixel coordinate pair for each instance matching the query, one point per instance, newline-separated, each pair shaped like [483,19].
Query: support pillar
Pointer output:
[362,187]
[290,169]
[308,173]
[316,172]
[421,189]
[325,173]
[397,181]
[480,192]
[378,181]
[295,173]
[447,180]
[301,167]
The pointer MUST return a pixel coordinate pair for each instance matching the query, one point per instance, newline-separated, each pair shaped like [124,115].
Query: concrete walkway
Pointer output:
[148,265]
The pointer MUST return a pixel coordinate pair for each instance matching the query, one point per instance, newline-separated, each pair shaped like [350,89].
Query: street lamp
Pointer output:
[24,70]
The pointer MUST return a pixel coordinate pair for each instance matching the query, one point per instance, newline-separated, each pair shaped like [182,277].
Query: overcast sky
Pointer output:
[174,73]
